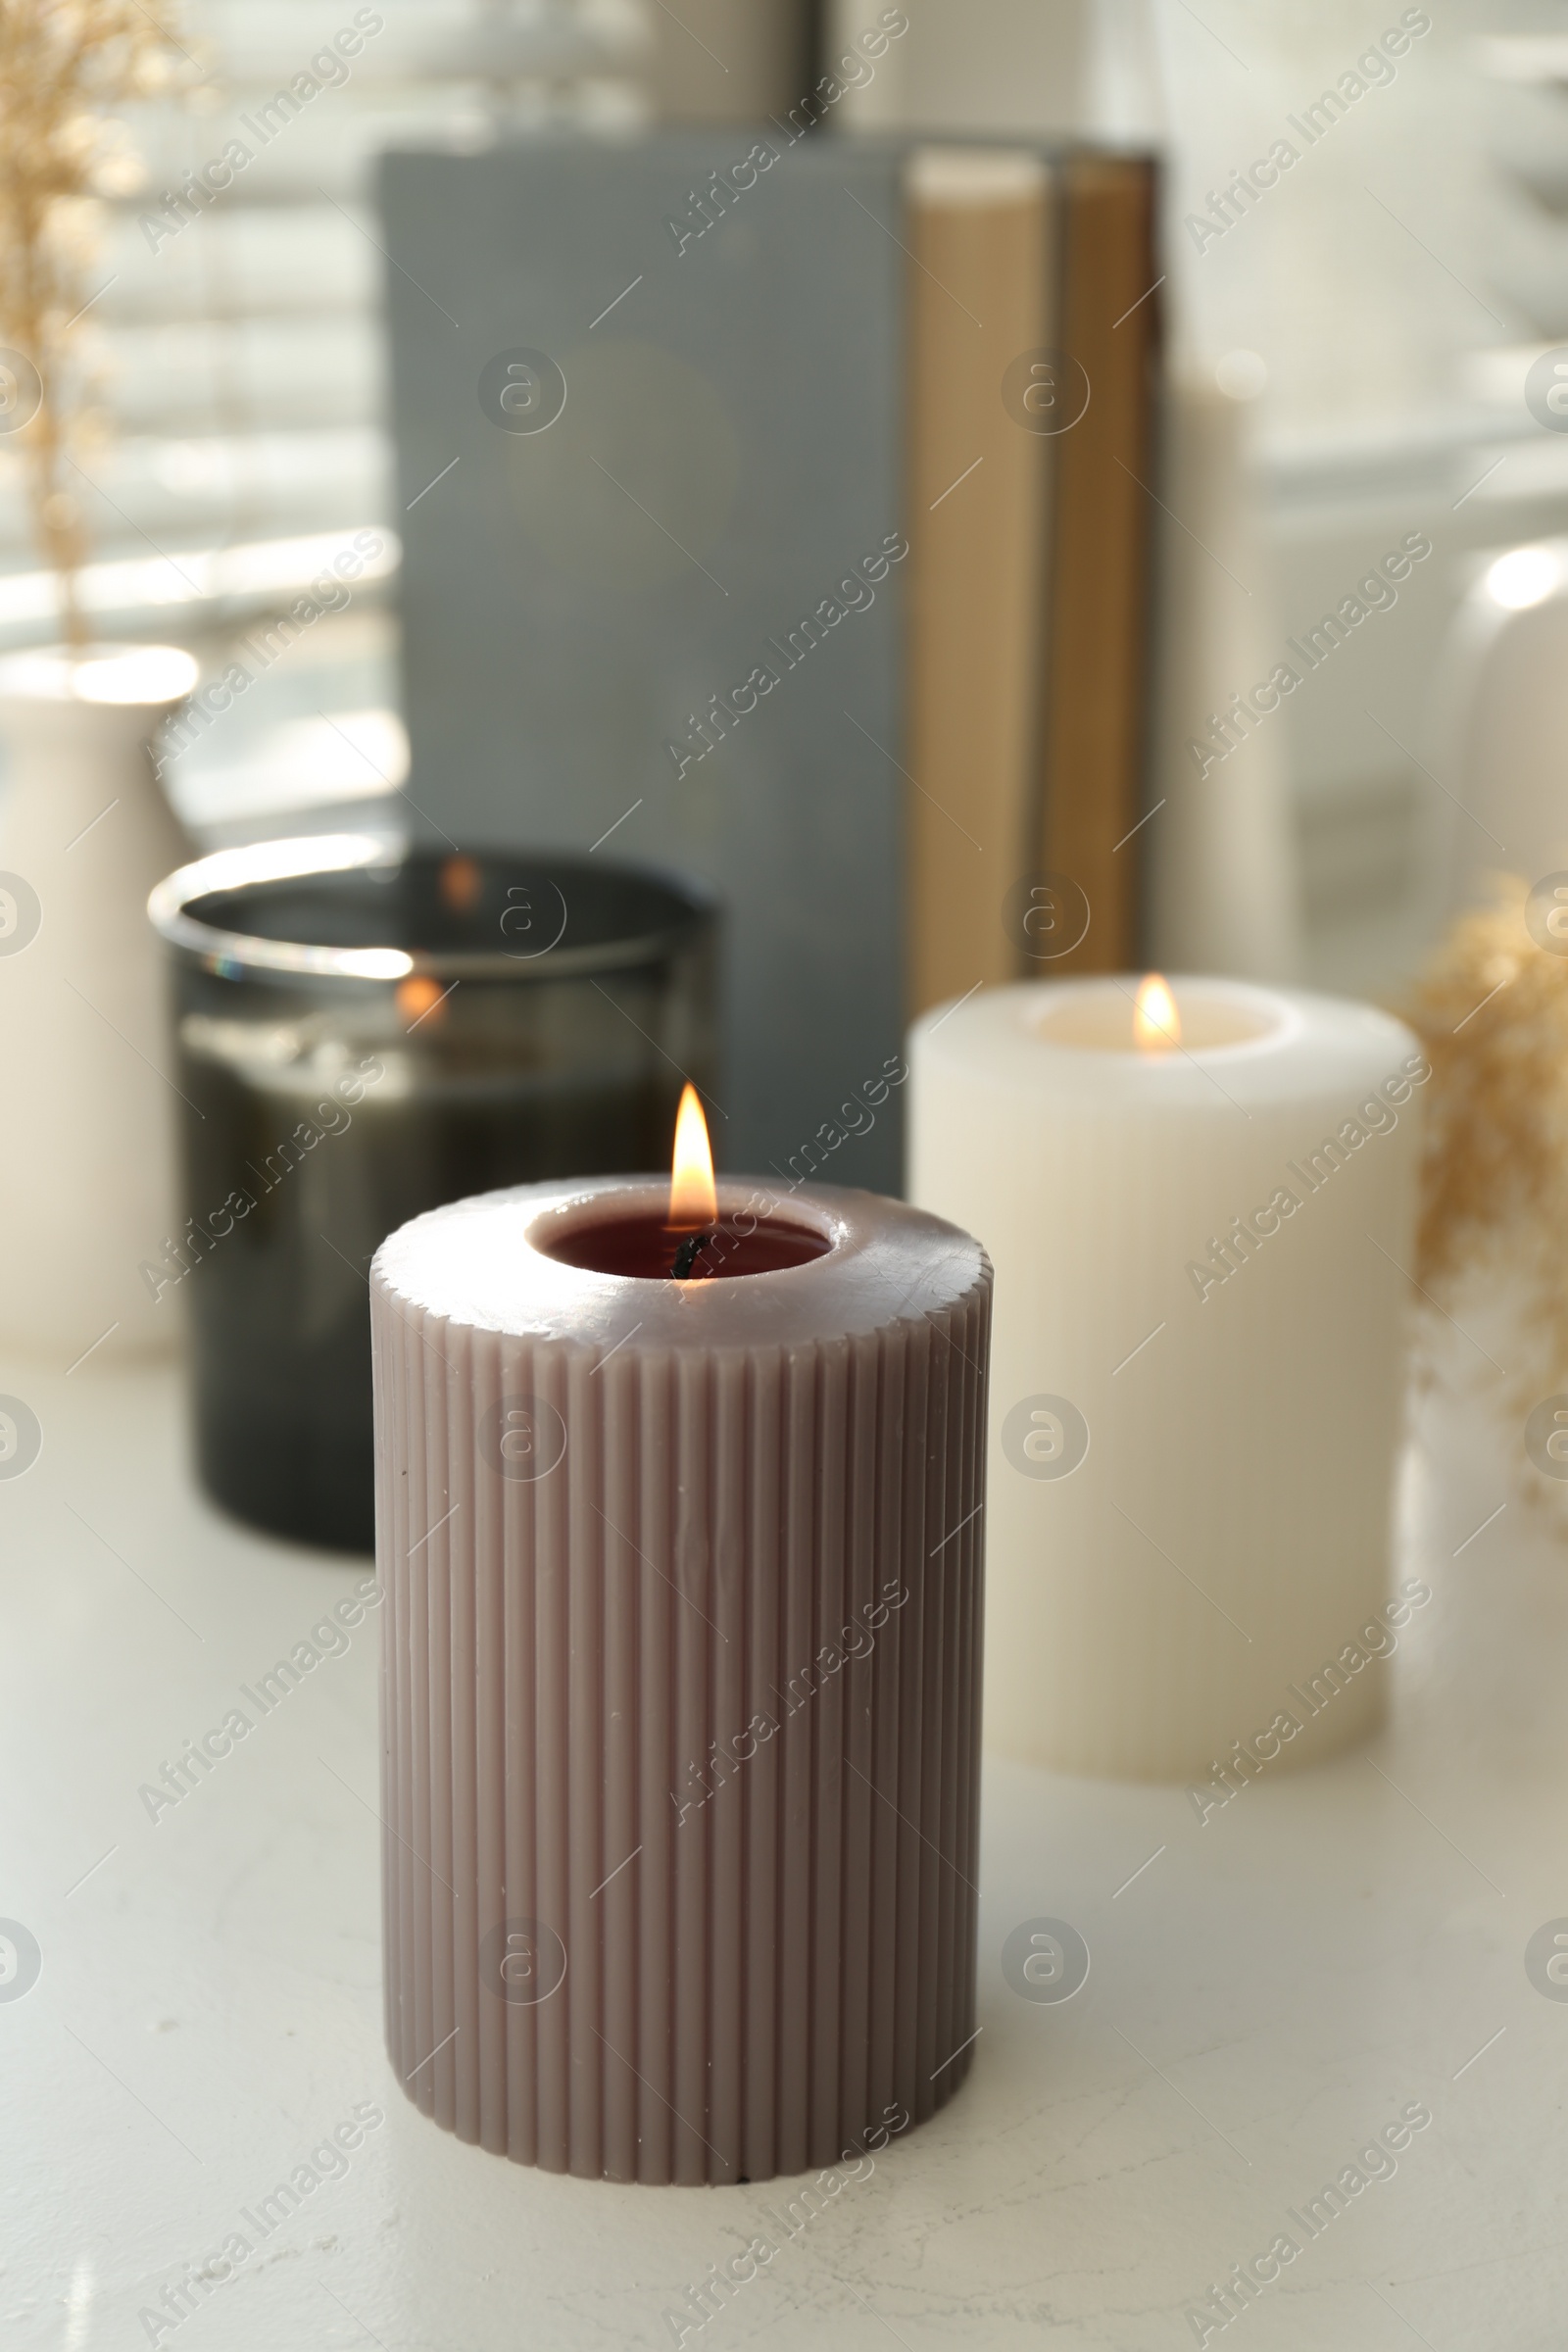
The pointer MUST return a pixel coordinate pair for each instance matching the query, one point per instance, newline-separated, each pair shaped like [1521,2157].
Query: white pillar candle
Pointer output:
[1196,1359]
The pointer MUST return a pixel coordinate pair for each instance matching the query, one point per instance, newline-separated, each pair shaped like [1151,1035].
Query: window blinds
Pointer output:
[232,334]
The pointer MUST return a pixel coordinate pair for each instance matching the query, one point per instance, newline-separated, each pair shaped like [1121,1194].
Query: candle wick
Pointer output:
[686,1254]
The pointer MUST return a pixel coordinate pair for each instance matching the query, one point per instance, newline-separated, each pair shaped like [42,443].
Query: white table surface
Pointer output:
[1263,1997]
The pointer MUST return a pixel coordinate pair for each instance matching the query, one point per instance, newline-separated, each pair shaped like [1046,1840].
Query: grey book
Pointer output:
[649,411]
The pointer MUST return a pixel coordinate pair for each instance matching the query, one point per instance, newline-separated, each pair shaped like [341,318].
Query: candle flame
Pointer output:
[460,882]
[417,997]
[693,1200]
[1156,1023]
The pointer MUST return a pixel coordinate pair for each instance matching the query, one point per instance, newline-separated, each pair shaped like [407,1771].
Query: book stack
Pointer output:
[784,515]
[1033,337]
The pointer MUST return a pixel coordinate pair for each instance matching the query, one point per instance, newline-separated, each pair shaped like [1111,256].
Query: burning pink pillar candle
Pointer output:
[681,1670]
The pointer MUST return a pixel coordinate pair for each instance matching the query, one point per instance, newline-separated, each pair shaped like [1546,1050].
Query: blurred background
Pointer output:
[1377,315]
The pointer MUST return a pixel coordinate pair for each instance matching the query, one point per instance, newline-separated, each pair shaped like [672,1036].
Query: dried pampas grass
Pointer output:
[1493,1015]
[65,66]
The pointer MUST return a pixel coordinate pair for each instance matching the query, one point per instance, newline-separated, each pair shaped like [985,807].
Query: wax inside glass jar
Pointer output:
[364,1037]
[1100,1020]
[647,1247]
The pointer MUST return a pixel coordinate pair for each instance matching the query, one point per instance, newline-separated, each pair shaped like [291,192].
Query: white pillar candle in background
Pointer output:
[1196,1360]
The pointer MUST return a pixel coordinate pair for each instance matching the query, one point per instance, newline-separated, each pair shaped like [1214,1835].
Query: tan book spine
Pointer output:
[1098,662]
[980,295]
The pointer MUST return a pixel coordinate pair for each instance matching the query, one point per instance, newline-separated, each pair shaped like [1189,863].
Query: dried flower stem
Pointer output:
[1493,1015]
[64,66]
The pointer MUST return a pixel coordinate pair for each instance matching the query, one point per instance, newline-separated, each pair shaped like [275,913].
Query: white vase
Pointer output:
[87,1081]
[1499,722]
[1222,880]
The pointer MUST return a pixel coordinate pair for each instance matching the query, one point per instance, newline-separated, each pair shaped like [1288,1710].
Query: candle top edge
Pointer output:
[1293,1040]
[481,1262]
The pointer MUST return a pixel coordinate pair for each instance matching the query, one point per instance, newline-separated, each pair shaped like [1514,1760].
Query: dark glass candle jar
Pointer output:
[361,1036]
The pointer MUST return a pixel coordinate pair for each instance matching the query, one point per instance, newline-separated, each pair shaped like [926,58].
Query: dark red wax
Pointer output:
[646,1246]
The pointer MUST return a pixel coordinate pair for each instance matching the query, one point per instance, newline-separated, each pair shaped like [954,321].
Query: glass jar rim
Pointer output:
[224,871]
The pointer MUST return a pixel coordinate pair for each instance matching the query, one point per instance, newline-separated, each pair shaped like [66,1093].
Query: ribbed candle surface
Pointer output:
[680,1682]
